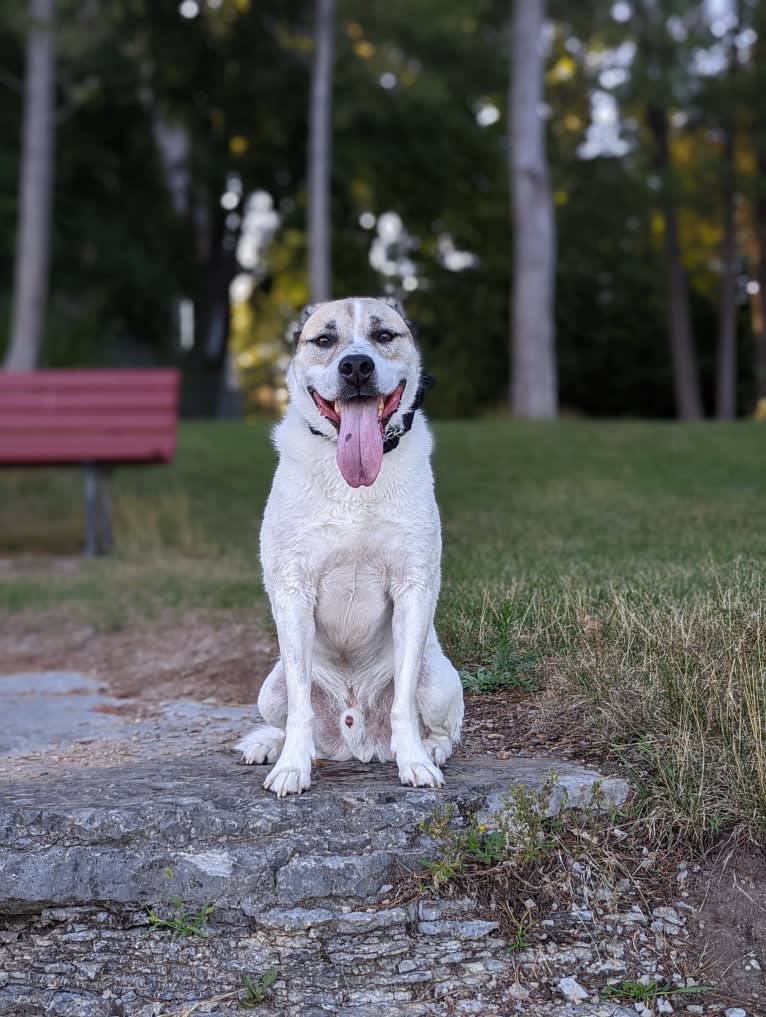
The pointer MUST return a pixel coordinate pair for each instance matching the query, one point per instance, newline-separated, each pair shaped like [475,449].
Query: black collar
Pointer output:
[394,435]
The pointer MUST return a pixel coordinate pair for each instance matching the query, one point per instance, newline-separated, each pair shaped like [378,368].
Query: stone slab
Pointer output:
[105,815]
[80,835]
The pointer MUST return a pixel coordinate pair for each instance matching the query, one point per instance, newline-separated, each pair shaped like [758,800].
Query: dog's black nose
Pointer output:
[356,368]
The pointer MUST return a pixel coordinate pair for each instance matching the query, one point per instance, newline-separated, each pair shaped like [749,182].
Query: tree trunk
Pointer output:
[759,140]
[533,391]
[30,283]
[726,374]
[204,369]
[685,372]
[726,368]
[760,337]
[173,141]
[319,154]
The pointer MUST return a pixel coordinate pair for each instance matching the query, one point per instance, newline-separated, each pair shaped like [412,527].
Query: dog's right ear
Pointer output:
[303,317]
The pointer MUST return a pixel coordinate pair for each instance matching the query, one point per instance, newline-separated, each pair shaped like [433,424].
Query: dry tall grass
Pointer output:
[682,686]
[667,669]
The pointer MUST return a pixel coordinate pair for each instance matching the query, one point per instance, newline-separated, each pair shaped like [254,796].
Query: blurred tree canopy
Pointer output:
[179,212]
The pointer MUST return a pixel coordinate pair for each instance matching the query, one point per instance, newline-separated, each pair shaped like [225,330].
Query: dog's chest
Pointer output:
[353,605]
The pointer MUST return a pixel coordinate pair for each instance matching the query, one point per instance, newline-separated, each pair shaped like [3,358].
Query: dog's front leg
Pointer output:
[294,616]
[413,614]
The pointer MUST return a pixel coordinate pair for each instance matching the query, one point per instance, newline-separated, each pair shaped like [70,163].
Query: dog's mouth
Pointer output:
[385,406]
[361,425]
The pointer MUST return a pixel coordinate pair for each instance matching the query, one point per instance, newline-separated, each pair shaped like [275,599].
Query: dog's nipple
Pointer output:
[349,721]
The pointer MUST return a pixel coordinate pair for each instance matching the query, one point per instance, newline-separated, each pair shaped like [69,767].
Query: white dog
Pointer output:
[351,548]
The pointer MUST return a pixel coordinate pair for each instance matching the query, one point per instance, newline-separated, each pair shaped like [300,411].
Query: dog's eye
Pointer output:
[384,337]
[324,341]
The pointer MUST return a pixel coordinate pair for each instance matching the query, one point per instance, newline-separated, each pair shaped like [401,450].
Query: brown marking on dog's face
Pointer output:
[330,328]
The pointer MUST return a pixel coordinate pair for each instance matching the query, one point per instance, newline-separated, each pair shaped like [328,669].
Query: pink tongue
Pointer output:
[360,443]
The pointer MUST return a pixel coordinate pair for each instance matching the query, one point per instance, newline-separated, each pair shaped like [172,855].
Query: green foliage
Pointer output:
[509,669]
[520,835]
[182,922]
[486,848]
[256,990]
[647,992]
[233,82]
[449,862]
[519,938]
[526,822]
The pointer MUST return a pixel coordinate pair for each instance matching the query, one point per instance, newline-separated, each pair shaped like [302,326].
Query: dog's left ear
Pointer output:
[303,317]
[396,305]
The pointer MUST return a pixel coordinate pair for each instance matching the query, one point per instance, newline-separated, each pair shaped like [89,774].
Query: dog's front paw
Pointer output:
[420,773]
[288,779]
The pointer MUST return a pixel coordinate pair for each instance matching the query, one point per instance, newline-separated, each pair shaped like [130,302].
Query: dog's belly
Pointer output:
[353,621]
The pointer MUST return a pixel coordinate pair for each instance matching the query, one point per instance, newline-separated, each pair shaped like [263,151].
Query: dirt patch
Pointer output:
[509,723]
[520,723]
[199,657]
[729,928]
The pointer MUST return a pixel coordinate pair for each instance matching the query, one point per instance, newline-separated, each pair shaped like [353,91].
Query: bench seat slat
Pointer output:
[98,422]
[90,400]
[97,378]
[75,449]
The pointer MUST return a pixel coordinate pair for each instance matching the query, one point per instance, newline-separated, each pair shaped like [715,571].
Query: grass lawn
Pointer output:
[628,552]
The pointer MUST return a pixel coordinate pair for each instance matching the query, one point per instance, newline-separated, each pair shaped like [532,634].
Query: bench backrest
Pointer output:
[100,416]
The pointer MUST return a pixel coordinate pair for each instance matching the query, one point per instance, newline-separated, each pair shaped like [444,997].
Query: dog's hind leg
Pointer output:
[264,743]
[440,702]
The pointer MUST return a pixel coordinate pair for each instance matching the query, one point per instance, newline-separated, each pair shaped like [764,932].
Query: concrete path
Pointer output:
[63,717]
[39,710]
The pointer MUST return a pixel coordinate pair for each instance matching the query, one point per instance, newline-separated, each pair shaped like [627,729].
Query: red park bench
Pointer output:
[96,419]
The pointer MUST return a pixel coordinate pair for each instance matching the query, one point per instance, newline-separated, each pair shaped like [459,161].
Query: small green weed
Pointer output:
[450,862]
[519,937]
[255,990]
[440,872]
[523,834]
[525,823]
[647,992]
[182,922]
[461,849]
[507,669]
[485,848]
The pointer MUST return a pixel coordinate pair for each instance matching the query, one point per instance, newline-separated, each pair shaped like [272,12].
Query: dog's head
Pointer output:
[355,376]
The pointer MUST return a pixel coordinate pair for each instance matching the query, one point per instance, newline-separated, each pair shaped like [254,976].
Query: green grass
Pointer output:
[573,505]
[631,552]
[186,535]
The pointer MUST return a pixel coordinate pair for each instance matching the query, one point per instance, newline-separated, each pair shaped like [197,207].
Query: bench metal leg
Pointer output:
[90,490]
[98,509]
[105,505]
